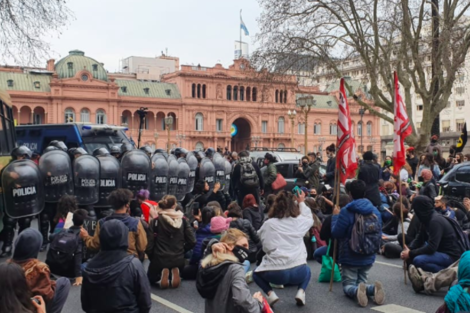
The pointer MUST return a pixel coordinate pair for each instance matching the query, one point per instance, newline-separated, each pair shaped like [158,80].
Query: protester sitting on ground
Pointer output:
[235,212]
[440,204]
[285,261]
[148,207]
[203,232]
[215,205]
[270,202]
[437,244]
[221,279]
[38,275]
[312,238]
[458,298]
[203,195]
[114,280]
[119,200]
[355,266]
[252,212]
[171,238]
[64,256]
[67,204]
[391,248]
[15,293]
[430,283]
[428,188]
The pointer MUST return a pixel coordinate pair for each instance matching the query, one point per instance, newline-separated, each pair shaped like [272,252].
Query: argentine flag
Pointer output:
[243,26]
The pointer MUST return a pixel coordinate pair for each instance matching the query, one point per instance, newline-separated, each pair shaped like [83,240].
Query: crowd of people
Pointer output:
[221,242]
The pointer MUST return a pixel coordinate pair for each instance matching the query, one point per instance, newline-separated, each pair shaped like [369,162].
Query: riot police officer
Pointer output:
[147,150]
[180,153]
[115,151]
[9,224]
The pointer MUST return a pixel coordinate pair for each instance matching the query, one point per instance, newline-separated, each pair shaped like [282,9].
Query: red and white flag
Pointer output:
[346,157]
[401,129]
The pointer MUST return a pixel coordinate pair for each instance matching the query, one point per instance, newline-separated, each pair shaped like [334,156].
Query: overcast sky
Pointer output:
[198,32]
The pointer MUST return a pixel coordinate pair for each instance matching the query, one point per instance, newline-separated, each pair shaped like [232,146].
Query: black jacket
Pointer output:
[255,216]
[330,172]
[205,198]
[236,178]
[428,189]
[369,173]
[413,163]
[246,227]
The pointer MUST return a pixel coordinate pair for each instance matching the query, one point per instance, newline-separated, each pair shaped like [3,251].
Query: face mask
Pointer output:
[434,153]
[304,162]
[241,253]
[433,140]
[388,162]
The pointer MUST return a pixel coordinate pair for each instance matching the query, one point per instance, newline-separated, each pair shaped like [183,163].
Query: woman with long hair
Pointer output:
[429,163]
[15,295]
[67,204]
[252,212]
[330,165]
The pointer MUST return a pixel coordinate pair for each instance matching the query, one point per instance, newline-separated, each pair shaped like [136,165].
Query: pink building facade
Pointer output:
[206,104]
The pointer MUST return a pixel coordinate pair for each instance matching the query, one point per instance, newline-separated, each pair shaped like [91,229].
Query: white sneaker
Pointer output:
[272,298]
[300,297]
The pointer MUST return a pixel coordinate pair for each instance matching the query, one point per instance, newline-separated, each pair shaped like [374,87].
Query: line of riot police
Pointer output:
[29,189]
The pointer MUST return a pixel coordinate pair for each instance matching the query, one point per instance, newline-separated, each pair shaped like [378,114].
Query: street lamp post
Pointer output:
[180,138]
[321,141]
[361,113]
[292,115]
[306,104]
[168,123]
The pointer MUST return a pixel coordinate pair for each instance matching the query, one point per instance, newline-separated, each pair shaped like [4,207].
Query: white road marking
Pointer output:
[394,308]
[169,304]
[388,264]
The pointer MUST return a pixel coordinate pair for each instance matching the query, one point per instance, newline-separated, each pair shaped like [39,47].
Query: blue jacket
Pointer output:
[341,228]
[202,233]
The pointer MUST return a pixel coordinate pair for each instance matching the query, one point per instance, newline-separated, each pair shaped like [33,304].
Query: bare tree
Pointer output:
[384,36]
[25,26]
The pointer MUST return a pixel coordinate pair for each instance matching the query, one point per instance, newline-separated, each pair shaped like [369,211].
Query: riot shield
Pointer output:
[207,172]
[228,176]
[110,178]
[86,170]
[192,163]
[172,176]
[219,163]
[136,168]
[56,170]
[159,179]
[23,189]
[183,175]
[172,157]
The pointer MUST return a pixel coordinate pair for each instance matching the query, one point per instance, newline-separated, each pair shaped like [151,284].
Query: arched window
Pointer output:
[280,125]
[317,128]
[248,94]
[235,93]
[281,146]
[69,116]
[281,93]
[229,92]
[277,96]
[359,129]
[84,115]
[333,129]
[285,96]
[199,122]
[242,93]
[100,117]
[204,91]
[199,90]
[199,146]
[301,128]
[193,90]
[369,128]
[254,94]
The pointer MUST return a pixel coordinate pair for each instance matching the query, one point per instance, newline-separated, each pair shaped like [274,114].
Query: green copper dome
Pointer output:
[75,62]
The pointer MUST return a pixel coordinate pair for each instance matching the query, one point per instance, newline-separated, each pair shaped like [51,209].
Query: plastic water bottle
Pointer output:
[314,243]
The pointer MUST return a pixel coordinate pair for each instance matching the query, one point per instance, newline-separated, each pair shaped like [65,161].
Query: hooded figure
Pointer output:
[458,298]
[434,144]
[113,280]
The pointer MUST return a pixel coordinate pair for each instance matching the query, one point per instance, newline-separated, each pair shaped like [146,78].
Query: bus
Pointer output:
[7,129]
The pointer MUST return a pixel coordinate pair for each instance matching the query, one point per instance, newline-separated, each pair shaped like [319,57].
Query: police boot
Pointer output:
[24,223]
[8,236]
[44,228]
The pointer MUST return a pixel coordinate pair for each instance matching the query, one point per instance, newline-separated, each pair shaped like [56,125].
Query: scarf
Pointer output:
[458,299]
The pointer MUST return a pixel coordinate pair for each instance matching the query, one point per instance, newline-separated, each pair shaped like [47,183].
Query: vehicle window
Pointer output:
[283,169]
[463,175]
[260,162]
[296,167]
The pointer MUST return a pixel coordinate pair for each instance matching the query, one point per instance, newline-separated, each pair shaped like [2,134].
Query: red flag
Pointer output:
[346,157]
[401,130]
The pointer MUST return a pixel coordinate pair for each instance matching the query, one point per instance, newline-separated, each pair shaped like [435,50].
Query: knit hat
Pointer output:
[426,174]
[220,224]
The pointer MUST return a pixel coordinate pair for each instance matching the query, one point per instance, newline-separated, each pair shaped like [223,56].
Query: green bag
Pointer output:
[326,265]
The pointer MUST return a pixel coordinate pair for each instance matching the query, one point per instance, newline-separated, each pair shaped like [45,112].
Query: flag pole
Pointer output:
[241,53]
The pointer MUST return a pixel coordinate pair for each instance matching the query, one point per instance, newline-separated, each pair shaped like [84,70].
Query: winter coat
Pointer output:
[369,173]
[221,281]
[246,227]
[255,216]
[270,176]
[283,241]
[312,172]
[203,232]
[235,179]
[330,172]
[341,229]
[173,236]
[428,189]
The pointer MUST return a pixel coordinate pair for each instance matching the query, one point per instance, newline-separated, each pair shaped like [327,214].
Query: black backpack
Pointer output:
[366,235]
[248,176]
[61,254]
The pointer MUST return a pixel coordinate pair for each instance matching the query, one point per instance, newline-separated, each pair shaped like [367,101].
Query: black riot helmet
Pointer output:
[50,148]
[172,151]
[210,152]
[159,150]
[21,152]
[126,147]
[147,150]
[100,152]
[59,144]
[79,151]
[180,152]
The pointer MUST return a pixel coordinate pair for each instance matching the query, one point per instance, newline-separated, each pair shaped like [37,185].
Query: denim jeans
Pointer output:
[352,276]
[317,255]
[246,266]
[433,262]
[299,276]
[60,295]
